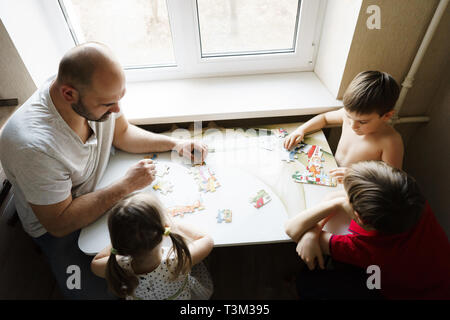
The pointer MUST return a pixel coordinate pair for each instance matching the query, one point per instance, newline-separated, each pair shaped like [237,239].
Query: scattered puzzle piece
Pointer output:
[206,180]
[164,186]
[182,210]
[152,157]
[261,198]
[290,155]
[161,169]
[224,215]
[281,133]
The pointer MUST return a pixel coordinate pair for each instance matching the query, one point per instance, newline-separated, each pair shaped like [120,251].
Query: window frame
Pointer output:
[187,47]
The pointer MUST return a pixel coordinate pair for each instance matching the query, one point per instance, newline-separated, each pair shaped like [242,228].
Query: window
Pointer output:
[190,38]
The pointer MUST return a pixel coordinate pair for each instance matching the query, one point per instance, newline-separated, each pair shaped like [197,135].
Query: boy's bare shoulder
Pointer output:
[391,137]
[392,148]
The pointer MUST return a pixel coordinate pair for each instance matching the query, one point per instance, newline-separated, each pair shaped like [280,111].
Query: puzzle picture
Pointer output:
[314,172]
[161,169]
[163,186]
[182,210]
[224,215]
[205,178]
[261,198]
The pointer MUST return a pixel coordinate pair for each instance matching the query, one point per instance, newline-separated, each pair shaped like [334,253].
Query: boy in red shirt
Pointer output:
[393,229]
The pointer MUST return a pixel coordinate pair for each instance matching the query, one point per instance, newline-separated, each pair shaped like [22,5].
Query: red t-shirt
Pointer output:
[413,265]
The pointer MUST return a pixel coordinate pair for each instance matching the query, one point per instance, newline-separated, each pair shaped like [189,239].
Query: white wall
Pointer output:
[338,28]
[33,37]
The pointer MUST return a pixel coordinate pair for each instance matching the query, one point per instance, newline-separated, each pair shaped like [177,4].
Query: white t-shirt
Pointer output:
[46,161]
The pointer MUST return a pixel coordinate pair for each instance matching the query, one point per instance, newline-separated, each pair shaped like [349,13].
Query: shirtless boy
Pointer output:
[366,134]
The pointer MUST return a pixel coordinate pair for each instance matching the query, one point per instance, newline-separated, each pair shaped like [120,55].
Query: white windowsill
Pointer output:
[224,98]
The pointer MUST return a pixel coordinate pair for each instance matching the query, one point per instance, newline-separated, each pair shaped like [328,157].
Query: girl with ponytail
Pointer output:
[138,266]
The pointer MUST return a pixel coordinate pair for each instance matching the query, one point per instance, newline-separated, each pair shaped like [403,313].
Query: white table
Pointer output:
[240,178]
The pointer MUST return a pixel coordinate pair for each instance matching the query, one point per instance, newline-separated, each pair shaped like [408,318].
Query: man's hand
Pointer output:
[308,248]
[140,175]
[338,173]
[193,150]
[294,138]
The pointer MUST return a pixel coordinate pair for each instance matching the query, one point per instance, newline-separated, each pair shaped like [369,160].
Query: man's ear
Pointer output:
[388,115]
[70,94]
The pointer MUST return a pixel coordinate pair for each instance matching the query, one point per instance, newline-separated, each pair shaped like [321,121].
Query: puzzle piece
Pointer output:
[205,178]
[182,210]
[164,186]
[290,155]
[152,157]
[261,199]
[224,215]
[281,133]
[161,169]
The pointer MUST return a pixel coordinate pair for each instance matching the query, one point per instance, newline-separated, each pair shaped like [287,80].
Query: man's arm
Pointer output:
[130,138]
[69,215]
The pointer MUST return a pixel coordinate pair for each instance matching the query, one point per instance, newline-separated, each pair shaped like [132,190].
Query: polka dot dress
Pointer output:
[158,284]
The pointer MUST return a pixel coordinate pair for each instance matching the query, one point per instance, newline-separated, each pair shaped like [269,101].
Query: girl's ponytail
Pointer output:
[120,282]
[183,256]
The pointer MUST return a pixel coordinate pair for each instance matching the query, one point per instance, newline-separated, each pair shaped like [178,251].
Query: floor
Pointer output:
[24,272]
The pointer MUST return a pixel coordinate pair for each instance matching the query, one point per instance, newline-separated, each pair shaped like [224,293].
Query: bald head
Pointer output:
[85,65]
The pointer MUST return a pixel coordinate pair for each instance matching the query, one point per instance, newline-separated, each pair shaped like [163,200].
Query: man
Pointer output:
[55,149]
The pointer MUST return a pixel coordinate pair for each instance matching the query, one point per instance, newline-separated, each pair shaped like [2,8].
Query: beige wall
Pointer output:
[427,155]
[15,81]
[392,47]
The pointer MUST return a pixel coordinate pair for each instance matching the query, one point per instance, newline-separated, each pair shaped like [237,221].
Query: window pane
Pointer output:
[138,31]
[247,26]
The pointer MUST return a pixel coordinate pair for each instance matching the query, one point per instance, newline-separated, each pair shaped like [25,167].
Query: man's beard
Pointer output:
[81,110]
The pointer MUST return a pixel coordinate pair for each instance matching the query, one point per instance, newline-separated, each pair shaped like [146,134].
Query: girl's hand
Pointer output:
[294,138]
[338,173]
[308,248]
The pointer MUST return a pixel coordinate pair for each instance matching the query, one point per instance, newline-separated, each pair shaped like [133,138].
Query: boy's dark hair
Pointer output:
[136,225]
[386,199]
[371,91]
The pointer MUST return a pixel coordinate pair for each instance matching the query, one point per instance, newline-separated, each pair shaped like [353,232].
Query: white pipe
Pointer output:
[409,80]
